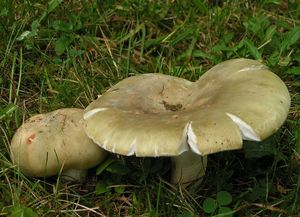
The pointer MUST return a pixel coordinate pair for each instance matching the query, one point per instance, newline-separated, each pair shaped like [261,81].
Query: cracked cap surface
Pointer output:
[161,115]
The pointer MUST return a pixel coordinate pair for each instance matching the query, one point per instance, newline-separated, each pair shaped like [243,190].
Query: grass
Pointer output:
[60,54]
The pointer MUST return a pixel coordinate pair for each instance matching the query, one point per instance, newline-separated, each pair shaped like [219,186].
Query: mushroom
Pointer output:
[47,144]
[160,115]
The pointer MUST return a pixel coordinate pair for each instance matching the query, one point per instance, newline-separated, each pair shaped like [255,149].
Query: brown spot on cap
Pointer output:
[30,139]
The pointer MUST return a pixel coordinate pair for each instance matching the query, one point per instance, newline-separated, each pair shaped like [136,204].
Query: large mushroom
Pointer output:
[160,115]
[47,144]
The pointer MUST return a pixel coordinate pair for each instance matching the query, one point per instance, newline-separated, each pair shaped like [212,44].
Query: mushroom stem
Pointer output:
[74,175]
[188,167]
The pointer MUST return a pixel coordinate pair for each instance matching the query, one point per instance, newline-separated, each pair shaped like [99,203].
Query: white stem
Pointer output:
[188,167]
[74,175]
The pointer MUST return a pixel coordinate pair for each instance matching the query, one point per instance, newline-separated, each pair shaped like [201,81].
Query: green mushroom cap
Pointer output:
[47,144]
[161,115]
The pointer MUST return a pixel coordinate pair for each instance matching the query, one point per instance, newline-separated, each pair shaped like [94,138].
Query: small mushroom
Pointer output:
[47,144]
[160,115]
